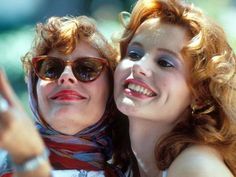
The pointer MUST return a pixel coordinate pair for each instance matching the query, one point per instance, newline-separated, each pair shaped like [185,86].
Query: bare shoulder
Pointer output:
[199,161]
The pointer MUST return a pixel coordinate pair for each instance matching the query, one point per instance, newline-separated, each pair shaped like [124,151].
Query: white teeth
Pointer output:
[140,89]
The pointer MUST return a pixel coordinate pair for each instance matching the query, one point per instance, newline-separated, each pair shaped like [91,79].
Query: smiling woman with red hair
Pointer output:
[176,82]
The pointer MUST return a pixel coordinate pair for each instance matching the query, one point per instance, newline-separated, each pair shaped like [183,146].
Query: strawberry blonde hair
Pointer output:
[212,80]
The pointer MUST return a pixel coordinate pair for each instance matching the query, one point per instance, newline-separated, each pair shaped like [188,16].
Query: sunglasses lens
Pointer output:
[49,68]
[87,69]
[84,69]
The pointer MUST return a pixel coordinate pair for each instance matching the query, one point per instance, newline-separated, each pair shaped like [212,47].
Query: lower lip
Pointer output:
[68,98]
[135,94]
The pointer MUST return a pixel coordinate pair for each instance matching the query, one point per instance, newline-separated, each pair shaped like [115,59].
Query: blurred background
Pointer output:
[18,18]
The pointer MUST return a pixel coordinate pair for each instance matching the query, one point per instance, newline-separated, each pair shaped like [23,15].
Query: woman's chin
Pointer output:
[128,108]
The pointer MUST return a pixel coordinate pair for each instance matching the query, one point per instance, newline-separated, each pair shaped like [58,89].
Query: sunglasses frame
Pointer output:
[104,62]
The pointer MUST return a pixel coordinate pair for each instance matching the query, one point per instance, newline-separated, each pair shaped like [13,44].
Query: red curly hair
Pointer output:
[212,80]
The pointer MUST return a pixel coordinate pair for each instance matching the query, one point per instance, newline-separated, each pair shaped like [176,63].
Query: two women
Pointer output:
[176,84]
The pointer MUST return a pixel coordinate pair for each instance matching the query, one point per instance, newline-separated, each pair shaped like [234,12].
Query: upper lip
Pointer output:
[138,82]
[67,92]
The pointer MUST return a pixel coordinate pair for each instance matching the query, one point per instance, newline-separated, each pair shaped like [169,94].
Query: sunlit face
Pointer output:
[69,105]
[151,81]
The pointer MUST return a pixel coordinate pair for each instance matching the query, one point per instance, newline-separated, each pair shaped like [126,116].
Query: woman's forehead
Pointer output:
[152,24]
[82,48]
[153,33]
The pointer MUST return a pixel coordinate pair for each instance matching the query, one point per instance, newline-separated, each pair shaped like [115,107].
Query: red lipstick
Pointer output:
[138,89]
[67,95]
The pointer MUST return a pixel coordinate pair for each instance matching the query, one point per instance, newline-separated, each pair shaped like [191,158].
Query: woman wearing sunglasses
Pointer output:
[69,74]
[176,82]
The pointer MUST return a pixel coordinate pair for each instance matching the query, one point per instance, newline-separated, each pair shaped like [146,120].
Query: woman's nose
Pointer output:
[67,76]
[142,68]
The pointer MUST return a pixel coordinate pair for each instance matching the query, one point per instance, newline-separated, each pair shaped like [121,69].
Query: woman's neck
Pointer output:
[144,135]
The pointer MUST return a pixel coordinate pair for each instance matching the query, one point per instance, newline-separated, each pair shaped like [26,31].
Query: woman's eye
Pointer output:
[164,63]
[134,55]
[50,71]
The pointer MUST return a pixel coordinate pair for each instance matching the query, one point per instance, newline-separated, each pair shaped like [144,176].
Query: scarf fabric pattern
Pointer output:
[87,150]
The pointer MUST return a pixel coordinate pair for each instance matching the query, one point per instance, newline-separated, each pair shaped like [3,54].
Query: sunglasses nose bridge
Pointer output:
[67,75]
[68,65]
[68,70]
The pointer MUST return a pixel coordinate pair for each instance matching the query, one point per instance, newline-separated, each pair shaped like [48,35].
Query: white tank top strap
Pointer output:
[164,173]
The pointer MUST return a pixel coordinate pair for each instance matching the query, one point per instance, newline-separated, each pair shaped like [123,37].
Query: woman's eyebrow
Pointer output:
[176,55]
[135,43]
[169,51]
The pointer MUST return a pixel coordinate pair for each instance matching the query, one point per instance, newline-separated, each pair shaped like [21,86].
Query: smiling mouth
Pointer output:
[138,89]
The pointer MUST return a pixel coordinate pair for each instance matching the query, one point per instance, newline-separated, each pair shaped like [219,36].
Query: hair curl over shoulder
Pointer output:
[212,80]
